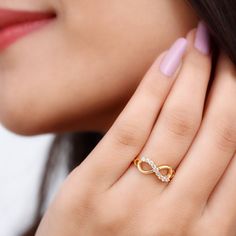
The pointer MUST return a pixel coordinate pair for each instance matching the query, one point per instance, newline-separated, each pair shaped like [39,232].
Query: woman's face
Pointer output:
[78,71]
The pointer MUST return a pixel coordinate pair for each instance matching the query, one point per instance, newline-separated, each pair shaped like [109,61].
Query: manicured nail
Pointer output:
[173,57]
[202,40]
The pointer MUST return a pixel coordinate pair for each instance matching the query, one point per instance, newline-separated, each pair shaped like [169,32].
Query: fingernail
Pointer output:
[173,57]
[202,40]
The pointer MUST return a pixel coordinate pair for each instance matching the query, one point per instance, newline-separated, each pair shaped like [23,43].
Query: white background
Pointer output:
[21,163]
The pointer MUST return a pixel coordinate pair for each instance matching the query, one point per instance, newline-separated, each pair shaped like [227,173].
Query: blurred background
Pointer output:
[22,161]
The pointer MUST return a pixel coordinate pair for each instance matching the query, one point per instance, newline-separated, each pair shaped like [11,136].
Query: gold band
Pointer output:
[155,169]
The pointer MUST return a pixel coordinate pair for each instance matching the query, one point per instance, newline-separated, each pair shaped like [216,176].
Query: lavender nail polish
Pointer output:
[202,40]
[172,59]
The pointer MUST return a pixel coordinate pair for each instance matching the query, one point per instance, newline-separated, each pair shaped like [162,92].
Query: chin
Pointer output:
[26,123]
[25,119]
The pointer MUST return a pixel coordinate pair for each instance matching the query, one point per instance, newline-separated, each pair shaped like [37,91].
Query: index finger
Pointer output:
[127,136]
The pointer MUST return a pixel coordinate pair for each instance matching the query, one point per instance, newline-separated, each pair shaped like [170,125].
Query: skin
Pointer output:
[86,69]
[192,132]
[106,195]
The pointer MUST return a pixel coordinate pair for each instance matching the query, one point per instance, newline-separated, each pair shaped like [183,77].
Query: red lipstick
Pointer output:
[16,24]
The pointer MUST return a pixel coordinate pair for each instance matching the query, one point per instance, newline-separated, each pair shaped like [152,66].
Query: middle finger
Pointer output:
[215,143]
[180,116]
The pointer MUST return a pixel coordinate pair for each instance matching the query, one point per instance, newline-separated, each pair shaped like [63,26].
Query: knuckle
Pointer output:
[193,59]
[225,134]
[164,229]
[155,91]
[74,204]
[128,134]
[111,221]
[182,122]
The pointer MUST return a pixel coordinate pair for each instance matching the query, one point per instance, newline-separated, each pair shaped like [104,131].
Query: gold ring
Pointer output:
[155,169]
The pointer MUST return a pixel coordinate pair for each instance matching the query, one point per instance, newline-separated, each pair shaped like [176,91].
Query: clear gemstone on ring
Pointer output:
[155,169]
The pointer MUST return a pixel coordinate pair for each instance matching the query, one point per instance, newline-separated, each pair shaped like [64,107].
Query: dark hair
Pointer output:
[220,16]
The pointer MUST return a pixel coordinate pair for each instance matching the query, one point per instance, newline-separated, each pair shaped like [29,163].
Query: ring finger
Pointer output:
[181,114]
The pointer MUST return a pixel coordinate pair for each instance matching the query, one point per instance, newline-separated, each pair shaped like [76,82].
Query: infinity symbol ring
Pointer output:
[155,169]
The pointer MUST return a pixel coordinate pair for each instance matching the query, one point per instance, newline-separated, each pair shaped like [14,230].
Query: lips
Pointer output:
[16,24]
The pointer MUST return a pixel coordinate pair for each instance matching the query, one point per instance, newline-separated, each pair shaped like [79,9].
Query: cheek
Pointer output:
[88,62]
[62,78]
[56,84]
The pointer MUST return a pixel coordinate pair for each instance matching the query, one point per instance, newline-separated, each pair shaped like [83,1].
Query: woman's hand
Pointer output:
[166,121]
